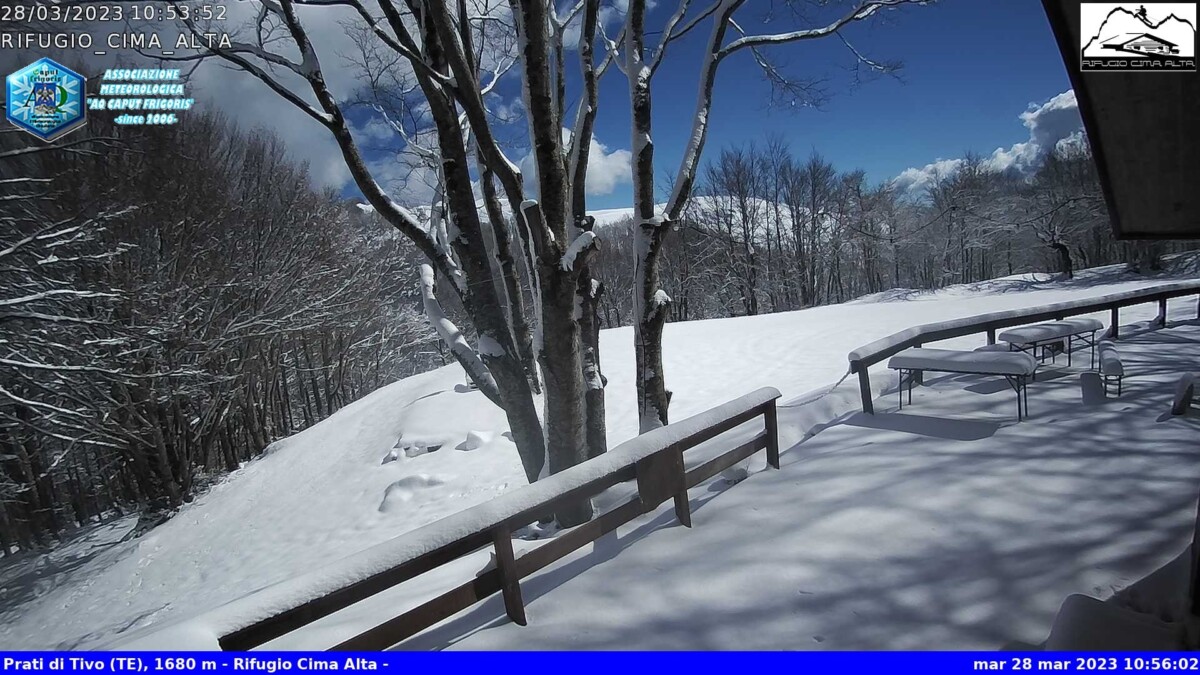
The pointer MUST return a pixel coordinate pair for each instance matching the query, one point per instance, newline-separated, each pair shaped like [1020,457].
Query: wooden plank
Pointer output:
[716,465]
[578,537]
[771,422]
[417,619]
[660,477]
[289,620]
[510,582]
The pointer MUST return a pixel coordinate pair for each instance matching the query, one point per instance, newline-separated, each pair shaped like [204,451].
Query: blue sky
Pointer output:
[971,67]
[971,71]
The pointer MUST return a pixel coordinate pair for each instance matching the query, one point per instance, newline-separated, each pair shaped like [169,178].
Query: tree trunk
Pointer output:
[650,303]
[1064,259]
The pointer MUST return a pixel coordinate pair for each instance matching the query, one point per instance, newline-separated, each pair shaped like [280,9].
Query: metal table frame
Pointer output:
[1019,384]
[1087,337]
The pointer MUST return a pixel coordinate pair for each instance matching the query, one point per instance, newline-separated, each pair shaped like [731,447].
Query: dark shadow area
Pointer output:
[924,425]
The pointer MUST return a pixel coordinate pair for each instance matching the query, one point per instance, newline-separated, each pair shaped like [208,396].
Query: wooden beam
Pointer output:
[864,389]
[771,422]
[510,581]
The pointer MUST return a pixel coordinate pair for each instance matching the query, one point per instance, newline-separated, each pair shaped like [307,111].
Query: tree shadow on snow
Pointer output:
[924,425]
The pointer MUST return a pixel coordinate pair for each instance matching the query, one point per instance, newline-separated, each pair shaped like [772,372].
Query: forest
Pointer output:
[769,231]
[170,309]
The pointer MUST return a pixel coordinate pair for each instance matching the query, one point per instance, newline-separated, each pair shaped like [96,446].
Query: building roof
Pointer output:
[1139,37]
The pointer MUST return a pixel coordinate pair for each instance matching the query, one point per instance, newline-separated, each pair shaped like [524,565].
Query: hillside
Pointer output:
[363,476]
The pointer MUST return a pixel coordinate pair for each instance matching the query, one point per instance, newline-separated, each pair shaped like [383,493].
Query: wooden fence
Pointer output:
[655,461]
[863,358]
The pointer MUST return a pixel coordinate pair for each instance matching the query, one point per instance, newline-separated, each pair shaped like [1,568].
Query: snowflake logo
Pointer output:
[46,99]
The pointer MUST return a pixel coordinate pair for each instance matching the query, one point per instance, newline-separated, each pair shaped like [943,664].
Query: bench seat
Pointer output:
[1112,371]
[976,363]
[1044,332]
[1110,360]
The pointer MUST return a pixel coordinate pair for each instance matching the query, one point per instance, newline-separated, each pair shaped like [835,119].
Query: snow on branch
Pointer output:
[863,11]
[454,339]
[582,243]
[26,299]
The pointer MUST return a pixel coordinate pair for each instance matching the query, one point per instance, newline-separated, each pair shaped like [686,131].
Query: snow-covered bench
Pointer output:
[1015,367]
[1111,368]
[1029,338]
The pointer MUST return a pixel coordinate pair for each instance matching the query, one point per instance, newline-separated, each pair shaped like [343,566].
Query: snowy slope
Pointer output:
[328,492]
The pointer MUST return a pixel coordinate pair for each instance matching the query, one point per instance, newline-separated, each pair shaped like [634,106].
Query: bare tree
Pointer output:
[639,66]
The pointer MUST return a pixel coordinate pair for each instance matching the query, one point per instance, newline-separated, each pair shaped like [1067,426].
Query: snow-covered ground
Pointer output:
[359,478]
[946,526]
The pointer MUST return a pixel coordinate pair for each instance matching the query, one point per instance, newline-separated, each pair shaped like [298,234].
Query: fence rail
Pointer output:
[864,357]
[655,461]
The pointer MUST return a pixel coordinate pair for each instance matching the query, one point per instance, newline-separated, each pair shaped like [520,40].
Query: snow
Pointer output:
[1048,331]
[296,591]
[581,243]
[955,528]
[475,440]
[316,497]
[1087,624]
[1110,359]
[990,362]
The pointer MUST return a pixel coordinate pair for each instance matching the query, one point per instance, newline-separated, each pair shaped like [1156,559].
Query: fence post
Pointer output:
[864,389]
[1198,306]
[1115,320]
[661,476]
[1161,320]
[991,336]
[771,422]
[918,376]
[510,583]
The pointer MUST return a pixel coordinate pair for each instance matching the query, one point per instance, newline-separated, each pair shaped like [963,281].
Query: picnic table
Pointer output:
[1030,338]
[1016,367]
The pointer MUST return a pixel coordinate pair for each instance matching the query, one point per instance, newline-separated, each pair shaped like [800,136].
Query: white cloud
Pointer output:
[606,169]
[916,182]
[1055,124]
[1049,123]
